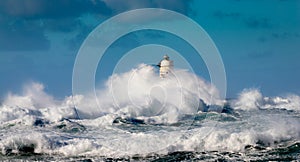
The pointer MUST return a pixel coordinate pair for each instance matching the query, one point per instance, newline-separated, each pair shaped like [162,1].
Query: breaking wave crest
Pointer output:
[251,99]
[142,93]
[137,93]
[182,113]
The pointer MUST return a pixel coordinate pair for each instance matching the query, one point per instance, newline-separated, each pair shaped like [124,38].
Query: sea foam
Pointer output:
[35,122]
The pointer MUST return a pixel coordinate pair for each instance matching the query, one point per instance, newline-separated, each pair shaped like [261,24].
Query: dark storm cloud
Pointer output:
[36,9]
[181,6]
[40,9]
[25,22]
[21,35]
[62,25]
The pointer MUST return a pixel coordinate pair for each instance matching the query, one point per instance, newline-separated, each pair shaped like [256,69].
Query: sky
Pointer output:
[258,40]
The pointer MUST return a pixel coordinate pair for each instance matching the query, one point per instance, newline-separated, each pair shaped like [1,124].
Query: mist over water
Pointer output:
[137,113]
[141,92]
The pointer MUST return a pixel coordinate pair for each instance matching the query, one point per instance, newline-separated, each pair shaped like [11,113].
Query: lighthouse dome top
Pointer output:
[166,57]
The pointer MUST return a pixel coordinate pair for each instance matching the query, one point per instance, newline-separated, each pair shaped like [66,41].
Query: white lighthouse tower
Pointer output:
[166,65]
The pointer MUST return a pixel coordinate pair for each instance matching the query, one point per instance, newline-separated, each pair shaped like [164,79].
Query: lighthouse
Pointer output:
[165,66]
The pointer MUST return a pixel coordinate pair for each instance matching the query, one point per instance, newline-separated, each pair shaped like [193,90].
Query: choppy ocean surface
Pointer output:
[35,126]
